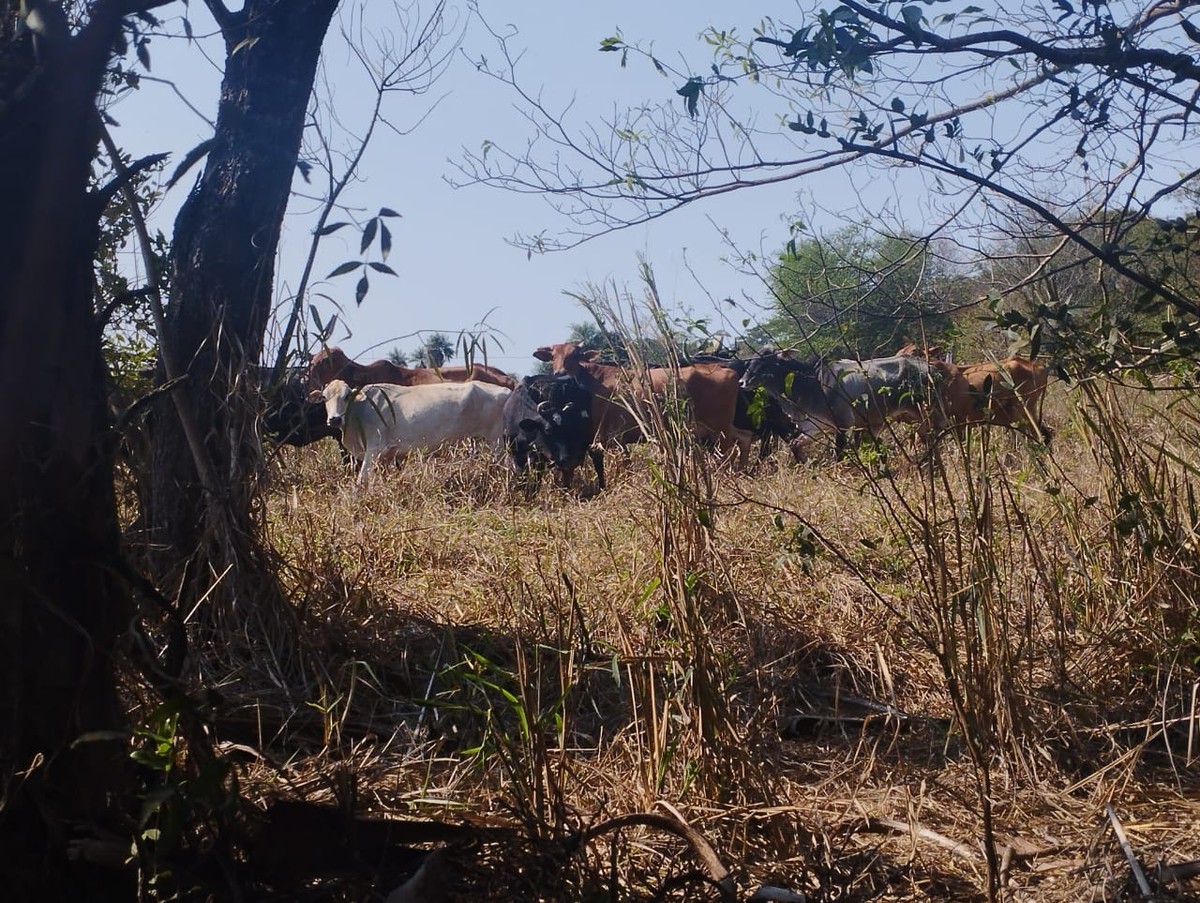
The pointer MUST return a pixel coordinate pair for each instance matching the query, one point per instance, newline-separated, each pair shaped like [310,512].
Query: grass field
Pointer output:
[870,680]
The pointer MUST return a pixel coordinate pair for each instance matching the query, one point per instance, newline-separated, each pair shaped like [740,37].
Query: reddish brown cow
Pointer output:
[1009,393]
[1006,393]
[332,363]
[711,390]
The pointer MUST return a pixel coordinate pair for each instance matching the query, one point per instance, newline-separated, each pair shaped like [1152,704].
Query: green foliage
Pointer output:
[858,294]
[1083,312]
[374,228]
[129,340]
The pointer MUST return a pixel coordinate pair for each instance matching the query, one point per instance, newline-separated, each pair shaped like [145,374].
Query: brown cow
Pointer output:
[332,363]
[711,389]
[1006,393]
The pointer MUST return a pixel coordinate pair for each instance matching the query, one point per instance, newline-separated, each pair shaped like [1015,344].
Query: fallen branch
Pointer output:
[1127,849]
[717,873]
[1181,871]
[961,850]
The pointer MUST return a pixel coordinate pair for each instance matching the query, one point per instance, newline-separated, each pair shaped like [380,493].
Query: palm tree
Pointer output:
[436,351]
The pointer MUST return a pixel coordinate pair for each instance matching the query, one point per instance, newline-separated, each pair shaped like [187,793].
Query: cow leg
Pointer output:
[518,456]
[743,439]
[840,441]
[799,448]
[596,453]
[368,458]
[526,467]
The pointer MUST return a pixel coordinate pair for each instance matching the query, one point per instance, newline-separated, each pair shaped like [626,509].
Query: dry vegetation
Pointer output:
[992,644]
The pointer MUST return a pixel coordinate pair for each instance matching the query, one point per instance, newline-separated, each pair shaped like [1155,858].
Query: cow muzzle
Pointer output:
[335,421]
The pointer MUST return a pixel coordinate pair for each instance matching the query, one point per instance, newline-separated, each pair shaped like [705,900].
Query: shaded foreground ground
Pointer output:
[541,665]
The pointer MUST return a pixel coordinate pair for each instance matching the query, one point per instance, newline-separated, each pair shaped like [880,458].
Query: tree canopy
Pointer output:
[1075,118]
[858,294]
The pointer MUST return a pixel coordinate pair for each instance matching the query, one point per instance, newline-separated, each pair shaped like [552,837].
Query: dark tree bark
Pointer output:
[205,455]
[62,605]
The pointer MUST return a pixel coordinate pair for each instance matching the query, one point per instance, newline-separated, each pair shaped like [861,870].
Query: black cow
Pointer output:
[290,418]
[760,412]
[844,396]
[547,420]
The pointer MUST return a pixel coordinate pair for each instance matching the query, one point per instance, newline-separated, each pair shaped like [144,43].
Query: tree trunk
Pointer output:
[222,263]
[62,609]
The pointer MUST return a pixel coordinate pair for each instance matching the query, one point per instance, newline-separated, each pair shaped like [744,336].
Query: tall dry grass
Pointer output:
[834,673]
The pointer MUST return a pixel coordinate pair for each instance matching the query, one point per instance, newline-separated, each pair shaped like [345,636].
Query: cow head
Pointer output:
[782,374]
[337,396]
[930,353]
[565,357]
[325,366]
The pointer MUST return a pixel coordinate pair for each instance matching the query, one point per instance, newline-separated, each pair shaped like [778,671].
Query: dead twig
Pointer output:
[961,850]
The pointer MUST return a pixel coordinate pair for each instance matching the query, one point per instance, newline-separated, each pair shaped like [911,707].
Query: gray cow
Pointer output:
[846,395]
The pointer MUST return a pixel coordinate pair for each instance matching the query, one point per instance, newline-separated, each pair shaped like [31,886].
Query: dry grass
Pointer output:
[550,663]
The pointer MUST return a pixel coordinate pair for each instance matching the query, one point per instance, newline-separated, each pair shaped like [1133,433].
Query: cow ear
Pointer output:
[590,355]
[529,425]
[315,396]
[544,353]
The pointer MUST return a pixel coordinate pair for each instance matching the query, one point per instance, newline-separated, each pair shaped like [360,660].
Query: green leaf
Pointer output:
[385,241]
[897,105]
[658,66]
[360,290]
[368,234]
[382,268]
[611,45]
[330,228]
[143,53]
[348,267]
[388,211]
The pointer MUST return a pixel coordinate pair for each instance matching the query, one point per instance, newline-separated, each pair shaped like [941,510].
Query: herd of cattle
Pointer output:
[382,410]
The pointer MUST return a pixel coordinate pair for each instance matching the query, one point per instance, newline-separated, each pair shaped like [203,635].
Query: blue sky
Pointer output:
[455,267]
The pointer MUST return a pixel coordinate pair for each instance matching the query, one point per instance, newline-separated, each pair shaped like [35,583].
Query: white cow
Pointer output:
[383,417]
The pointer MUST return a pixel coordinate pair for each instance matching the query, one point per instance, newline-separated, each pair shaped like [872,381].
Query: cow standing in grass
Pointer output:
[844,396]
[548,420]
[711,391]
[332,363]
[399,419]
[1008,393]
